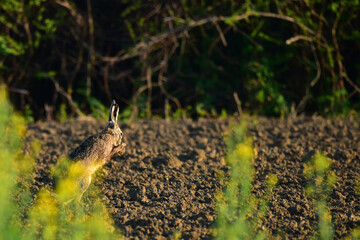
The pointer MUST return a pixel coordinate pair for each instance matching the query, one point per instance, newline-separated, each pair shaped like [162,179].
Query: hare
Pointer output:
[90,155]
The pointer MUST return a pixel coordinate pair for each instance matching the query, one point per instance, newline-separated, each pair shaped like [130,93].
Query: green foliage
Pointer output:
[355,233]
[9,46]
[176,235]
[320,184]
[273,54]
[268,92]
[201,112]
[240,212]
[17,16]
[49,219]
[45,216]
[12,128]
[335,103]
[180,113]
[64,215]
[97,108]
[279,74]
[223,114]
[28,114]
[125,115]
[62,115]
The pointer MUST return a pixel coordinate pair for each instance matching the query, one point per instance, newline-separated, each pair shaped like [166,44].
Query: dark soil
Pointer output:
[166,180]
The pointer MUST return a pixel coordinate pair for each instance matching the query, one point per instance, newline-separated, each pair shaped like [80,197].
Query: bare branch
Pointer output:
[298,38]
[238,103]
[318,66]
[301,106]
[73,12]
[67,96]
[219,38]
[179,31]
[221,34]
[120,75]
[19,90]
[163,67]
[356,87]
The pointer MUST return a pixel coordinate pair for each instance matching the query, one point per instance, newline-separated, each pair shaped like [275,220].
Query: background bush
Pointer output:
[157,57]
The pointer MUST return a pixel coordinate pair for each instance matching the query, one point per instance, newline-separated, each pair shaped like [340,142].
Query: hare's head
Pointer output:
[112,127]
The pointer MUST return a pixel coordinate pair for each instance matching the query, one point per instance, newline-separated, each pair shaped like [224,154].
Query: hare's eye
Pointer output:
[121,134]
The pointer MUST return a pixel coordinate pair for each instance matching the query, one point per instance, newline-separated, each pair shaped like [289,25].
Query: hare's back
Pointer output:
[87,149]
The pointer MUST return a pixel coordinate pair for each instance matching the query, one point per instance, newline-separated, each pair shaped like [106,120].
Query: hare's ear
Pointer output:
[116,112]
[111,111]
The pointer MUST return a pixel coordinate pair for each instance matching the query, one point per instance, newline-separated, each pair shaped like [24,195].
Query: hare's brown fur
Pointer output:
[96,150]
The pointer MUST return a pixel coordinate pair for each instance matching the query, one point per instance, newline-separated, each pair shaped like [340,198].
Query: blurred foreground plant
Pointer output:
[42,217]
[320,184]
[12,128]
[240,212]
